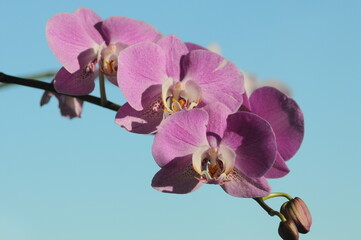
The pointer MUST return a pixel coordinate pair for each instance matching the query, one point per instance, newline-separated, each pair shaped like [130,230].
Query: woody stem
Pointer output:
[4,78]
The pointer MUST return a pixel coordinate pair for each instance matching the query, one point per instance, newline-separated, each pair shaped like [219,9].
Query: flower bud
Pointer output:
[297,211]
[288,230]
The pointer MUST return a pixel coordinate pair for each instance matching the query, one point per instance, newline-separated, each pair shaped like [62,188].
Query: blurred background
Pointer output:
[90,179]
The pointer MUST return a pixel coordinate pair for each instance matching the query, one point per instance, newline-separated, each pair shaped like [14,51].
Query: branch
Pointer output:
[269,210]
[49,87]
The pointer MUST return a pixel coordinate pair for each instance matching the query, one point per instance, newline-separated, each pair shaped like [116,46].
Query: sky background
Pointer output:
[89,179]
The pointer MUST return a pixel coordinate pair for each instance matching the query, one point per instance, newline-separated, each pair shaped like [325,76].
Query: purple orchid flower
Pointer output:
[286,119]
[162,78]
[70,107]
[214,146]
[80,40]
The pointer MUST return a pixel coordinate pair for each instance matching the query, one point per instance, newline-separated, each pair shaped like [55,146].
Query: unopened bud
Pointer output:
[297,211]
[288,230]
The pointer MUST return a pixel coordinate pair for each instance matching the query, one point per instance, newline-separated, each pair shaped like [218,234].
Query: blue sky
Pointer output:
[89,179]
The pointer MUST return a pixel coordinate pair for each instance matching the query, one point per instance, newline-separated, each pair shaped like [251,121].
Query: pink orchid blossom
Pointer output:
[80,40]
[286,120]
[70,107]
[162,78]
[212,145]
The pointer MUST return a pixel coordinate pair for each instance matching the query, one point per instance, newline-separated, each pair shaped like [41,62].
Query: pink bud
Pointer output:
[288,230]
[297,211]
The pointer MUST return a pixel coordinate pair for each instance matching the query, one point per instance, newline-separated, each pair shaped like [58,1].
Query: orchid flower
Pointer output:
[286,119]
[162,78]
[212,145]
[70,107]
[81,40]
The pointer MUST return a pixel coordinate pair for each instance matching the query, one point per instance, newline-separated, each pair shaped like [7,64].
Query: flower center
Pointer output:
[108,62]
[214,164]
[180,96]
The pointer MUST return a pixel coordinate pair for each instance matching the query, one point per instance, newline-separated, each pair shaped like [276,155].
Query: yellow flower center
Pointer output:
[180,96]
[213,164]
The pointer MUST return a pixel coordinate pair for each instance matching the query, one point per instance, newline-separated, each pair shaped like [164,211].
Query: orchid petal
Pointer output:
[174,49]
[70,107]
[90,21]
[177,176]
[139,67]
[127,30]
[254,142]
[219,79]
[46,98]
[217,123]
[245,187]
[70,41]
[78,83]
[179,135]
[284,115]
[193,46]
[279,168]
[144,121]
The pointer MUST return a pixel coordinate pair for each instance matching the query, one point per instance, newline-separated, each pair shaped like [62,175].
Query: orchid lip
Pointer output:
[108,58]
[213,164]
[180,95]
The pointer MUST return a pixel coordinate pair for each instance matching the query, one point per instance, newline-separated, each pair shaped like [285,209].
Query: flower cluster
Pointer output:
[207,130]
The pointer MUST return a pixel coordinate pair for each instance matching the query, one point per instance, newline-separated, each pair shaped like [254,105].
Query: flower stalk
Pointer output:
[277,194]
[4,78]
[268,209]
[33,76]
[103,95]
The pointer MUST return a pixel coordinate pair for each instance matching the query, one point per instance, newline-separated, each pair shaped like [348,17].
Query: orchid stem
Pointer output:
[33,76]
[103,95]
[277,194]
[269,210]
[4,78]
